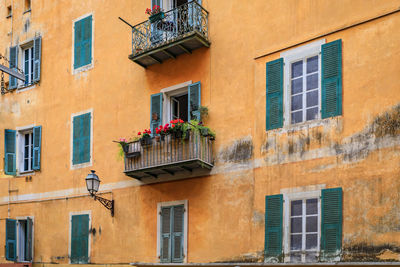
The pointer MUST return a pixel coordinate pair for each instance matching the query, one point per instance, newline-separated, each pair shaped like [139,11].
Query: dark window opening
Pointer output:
[179,107]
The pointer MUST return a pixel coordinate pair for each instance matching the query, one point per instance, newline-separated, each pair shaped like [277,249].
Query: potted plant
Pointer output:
[145,138]
[123,143]
[155,14]
[179,129]
[162,131]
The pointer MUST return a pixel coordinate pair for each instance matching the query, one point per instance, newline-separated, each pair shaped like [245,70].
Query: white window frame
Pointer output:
[299,195]
[20,218]
[85,164]
[170,92]
[21,87]
[20,142]
[289,57]
[185,226]
[86,212]
[88,66]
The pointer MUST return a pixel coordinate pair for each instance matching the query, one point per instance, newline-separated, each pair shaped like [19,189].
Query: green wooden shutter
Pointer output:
[165,253]
[273,228]
[37,55]
[331,223]
[79,239]
[81,138]
[37,143]
[83,42]
[11,240]
[13,65]
[177,234]
[29,237]
[156,108]
[194,101]
[9,151]
[331,79]
[274,105]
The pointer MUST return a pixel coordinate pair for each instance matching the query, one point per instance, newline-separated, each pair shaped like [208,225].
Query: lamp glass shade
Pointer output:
[92,183]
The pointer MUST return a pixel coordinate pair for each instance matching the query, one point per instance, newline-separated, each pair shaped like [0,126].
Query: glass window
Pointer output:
[304,230]
[28,65]
[28,151]
[305,90]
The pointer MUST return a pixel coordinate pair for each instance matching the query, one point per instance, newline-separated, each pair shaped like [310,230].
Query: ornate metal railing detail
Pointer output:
[171,26]
[169,152]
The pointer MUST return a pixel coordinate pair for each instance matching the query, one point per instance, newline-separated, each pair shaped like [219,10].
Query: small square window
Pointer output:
[27,5]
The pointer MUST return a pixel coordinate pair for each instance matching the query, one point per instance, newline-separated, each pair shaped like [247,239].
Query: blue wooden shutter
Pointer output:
[79,238]
[9,151]
[177,233]
[331,223]
[156,108]
[37,55]
[29,236]
[274,105]
[81,138]
[11,240]
[273,228]
[37,144]
[194,101]
[13,65]
[83,42]
[331,79]
[165,253]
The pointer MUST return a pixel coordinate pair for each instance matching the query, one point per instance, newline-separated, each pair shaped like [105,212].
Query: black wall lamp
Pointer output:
[92,184]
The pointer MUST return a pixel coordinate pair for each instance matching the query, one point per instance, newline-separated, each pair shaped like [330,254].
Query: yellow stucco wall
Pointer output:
[226,208]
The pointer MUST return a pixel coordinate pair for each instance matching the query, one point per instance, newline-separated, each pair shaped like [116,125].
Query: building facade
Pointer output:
[303,97]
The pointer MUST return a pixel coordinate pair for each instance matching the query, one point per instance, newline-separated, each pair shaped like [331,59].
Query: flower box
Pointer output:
[156,17]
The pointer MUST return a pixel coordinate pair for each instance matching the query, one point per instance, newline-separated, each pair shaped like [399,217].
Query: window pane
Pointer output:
[297,86]
[296,208]
[312,113]
[295,242]
[311,224]
[26,166]
[296,225]
[311,241]
[26,151]
[312,64]
[312,81]
[311,206]
[297,69]
[312,98]
[297,117]
[295,257]
[311,257]
[297,102]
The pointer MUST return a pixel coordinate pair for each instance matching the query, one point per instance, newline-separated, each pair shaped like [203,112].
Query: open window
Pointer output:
[181,102]
[19,239]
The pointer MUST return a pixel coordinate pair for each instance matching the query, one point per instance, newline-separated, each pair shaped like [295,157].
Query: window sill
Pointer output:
[27,87]
[305,125]
[9,16]
[83,68]
[81,165]
[26,11]
[25,173]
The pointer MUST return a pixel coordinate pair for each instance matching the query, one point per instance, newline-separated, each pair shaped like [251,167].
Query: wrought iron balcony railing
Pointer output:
[168,34]
[170,157]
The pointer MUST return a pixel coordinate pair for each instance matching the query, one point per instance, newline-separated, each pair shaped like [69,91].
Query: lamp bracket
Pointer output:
[109,204]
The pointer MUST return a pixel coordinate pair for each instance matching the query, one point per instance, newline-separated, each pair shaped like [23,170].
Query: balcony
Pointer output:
[170,158]
[177,31]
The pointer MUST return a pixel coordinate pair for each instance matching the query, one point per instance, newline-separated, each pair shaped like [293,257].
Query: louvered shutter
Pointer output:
[274,105]
[9,151]
[177,234]
[11,240]
[37,55]
[79,239]
[273,228]
[13,65]
[194,101]
[156,107]
[37,144]
[331,223]
[29,237]
[83,42]
[81,138]
[331,79]
[165,234]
